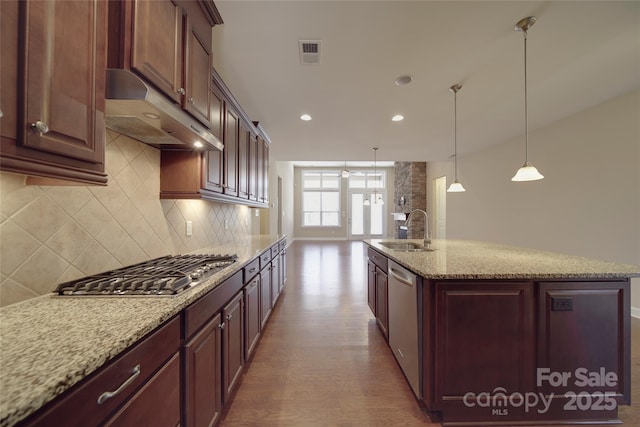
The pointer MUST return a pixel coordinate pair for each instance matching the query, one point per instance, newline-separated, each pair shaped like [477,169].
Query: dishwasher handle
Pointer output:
[401,278]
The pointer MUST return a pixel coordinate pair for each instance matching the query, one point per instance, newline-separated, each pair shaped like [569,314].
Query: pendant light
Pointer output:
[375,197]
[345,171]
[455,186]
[527,172]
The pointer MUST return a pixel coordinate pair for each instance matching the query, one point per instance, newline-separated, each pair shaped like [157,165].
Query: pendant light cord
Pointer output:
[526,103]
[455,136]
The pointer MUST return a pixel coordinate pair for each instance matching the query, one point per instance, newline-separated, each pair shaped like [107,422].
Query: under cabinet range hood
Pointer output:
[136,109]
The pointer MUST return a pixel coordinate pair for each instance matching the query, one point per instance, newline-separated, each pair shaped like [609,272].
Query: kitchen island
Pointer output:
[513,335]
[49,344]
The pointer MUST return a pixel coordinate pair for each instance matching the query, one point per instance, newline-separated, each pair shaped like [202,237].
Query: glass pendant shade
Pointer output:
[367,202]
[527,172]
[455,187]
[346,173]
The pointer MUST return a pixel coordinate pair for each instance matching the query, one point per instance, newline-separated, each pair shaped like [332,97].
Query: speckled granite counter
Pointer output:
[47,344]
[466,259]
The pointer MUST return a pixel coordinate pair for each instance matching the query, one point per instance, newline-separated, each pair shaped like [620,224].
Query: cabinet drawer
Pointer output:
[197,314]
[79,407]
[251,269]
[377,258]
[275,250]
[282,245]
[265,259]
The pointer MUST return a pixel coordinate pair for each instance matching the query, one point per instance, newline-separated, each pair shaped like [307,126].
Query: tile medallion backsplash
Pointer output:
[49,234]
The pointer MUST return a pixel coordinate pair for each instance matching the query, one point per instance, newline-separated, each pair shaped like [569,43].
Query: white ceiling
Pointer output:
[580,53]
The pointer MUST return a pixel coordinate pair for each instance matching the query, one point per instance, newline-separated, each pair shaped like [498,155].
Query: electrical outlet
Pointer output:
[189,228]
[226,224]
[561,304]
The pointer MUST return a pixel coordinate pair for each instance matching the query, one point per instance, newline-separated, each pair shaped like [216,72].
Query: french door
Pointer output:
[366,221]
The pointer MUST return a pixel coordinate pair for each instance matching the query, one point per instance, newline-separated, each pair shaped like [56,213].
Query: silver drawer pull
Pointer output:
[252,270]
[109,394]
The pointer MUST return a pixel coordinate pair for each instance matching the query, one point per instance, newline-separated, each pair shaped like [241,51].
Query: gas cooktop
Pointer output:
[164,276]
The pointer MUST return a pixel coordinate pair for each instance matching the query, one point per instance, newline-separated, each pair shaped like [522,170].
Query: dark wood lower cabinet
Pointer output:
[382,305]
[371,286]
[265,296]
[504,352]
[203,372]
[157,403]
[252,316]
[233,349]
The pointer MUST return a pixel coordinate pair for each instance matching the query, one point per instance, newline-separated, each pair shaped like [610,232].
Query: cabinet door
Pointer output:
[61,131]
[231,152]
[198,69]
[265,295]
[275,280]
[156,50]
[157,403]
[371,286]
[251,316]
[213,168]
[203,369]
[253,167]
[233,338]
[382,293]
[243,162]
[260,170]
[265,173]
[585,326]
[283,268]
[496,317]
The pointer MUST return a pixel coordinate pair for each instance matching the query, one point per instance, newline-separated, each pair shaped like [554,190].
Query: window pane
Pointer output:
[311,180]
[357,180]
[311,201]
[375,180]
[330,201]
[331,181]
[312,218]
[330,219]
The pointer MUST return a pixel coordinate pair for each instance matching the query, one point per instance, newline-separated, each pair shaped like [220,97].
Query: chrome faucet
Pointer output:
[426,237]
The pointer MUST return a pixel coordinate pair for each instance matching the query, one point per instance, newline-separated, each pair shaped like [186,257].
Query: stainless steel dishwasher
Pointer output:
[404,316]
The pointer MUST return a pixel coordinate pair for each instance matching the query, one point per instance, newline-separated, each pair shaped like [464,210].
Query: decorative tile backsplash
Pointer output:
[49,235]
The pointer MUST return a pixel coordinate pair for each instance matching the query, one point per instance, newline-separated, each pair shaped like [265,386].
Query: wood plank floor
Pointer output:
[323,362]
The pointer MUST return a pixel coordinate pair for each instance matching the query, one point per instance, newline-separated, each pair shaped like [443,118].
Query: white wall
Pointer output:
[588,204]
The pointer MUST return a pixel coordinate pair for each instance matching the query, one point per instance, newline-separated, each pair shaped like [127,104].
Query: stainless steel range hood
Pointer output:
[136,109]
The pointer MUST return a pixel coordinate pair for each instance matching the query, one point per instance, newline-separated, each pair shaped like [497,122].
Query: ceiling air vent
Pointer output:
[309,51]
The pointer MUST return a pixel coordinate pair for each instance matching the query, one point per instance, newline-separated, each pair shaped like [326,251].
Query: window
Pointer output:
[373,180]
[321,199]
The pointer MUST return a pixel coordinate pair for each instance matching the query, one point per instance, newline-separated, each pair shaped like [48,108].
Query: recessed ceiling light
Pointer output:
[404,80]
[305,117]
[198,144]
[397,118]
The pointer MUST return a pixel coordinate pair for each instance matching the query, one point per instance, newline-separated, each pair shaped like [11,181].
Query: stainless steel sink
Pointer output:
[406,247]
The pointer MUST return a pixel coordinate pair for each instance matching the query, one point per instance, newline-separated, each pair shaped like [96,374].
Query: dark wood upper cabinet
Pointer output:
[168,43]
[253,167]
[56,127]
[231,152]
[197,64]
[243,162]
[156,45]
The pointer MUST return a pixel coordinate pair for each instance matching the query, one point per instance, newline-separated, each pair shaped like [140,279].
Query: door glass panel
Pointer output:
[357,214]
[377,209]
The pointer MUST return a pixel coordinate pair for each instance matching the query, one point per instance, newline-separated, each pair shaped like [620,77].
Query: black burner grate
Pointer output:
[166,275]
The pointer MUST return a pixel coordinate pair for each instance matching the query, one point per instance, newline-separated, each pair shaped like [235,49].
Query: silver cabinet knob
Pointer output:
[221,325]
[190,100]
[40,126]
[181,91]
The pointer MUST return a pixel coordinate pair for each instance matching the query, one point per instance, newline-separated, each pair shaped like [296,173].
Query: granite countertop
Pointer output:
[467,259]
[49,343]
